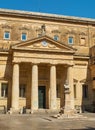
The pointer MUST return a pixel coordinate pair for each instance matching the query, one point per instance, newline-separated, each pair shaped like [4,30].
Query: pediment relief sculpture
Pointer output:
[44,44]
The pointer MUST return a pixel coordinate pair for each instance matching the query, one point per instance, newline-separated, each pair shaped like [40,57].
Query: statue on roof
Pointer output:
[43,29]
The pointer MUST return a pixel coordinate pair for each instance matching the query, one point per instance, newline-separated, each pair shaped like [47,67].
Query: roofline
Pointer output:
[28,14]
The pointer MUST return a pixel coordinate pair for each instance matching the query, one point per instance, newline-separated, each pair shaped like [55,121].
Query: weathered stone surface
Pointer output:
[57,53]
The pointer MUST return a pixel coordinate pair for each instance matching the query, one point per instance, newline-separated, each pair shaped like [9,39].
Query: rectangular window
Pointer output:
[22,90]
[6,35]
[85,91]
[24,37]
[70,40]
[74,90]
[4,90]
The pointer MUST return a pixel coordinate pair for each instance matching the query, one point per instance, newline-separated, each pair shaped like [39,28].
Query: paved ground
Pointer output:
[45,122]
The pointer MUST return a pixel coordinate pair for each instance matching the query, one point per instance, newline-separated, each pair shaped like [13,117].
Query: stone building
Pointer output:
[38,53]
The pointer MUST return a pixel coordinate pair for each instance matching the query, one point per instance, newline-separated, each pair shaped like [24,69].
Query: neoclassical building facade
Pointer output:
[39,53]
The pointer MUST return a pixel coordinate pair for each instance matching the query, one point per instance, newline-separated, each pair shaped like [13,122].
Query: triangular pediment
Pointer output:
[43,43]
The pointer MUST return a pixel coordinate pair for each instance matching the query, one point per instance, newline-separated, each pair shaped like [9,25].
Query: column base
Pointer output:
[69,112]
[14,111]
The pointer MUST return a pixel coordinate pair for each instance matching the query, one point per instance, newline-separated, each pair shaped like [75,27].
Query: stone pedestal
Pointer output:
[68,108]
[69,94]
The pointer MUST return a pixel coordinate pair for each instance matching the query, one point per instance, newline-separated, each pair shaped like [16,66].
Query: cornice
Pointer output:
[46,16]
[4,53]
[82,57]
[20,49]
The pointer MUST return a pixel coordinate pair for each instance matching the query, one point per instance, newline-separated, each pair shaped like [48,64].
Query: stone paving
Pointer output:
[45,122]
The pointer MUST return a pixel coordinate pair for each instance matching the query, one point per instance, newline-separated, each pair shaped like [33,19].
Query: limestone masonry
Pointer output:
[39,54]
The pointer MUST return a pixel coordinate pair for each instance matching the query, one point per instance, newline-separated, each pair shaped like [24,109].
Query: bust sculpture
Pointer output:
[66,85]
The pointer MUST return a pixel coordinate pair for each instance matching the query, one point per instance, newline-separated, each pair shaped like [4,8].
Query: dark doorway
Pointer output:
[42,96]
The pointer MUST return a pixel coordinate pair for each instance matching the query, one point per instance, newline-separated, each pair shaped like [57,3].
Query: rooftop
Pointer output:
[46,16]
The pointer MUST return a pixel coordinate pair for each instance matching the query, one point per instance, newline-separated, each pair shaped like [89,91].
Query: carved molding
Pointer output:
[38,29]
[6,26]
[71,32]
[55,31]
[51,46]
[83,81]
[75,80]
[36,45]
[23,28]
[82,34]
[42,30]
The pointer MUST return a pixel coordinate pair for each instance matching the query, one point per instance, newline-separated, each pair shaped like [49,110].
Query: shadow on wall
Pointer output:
[88,93]
[8,77]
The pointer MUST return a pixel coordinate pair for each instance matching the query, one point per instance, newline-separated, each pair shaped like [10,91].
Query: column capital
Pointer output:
[34,63]
[70,65]
[15,62]
[52,64]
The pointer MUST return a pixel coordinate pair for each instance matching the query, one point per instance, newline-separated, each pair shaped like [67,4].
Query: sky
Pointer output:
[78,8]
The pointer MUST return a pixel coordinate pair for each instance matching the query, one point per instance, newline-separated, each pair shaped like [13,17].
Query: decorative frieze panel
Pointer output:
[82,34]
[24,28]
[56,31]
[5,26]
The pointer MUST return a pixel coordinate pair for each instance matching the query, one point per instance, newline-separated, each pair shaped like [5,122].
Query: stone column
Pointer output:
[53,104]
[34,88]
[70,82]
[15,87]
